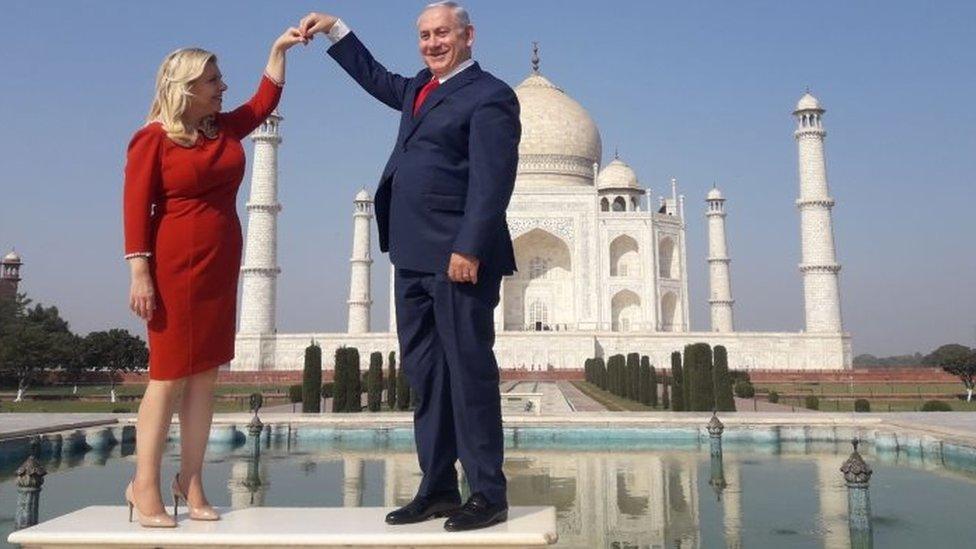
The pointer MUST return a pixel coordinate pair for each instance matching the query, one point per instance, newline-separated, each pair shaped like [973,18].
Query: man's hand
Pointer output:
[316,22]
[463,268]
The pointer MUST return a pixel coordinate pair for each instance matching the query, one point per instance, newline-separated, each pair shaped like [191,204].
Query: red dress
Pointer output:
[180,207]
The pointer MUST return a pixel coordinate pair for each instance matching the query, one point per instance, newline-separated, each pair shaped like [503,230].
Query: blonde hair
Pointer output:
[172,97]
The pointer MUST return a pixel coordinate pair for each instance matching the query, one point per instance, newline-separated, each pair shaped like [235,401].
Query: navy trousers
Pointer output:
[446,332]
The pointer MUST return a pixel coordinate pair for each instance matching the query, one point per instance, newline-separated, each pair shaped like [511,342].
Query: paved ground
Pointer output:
[758,405]
[579,401]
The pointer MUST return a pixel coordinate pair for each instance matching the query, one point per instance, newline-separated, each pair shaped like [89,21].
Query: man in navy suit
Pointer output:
[440,209]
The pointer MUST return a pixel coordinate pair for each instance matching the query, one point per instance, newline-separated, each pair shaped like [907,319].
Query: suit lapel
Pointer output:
[457,82]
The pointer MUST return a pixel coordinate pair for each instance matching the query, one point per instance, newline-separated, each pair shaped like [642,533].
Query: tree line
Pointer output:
[698,380]
[349,383]
[35,340]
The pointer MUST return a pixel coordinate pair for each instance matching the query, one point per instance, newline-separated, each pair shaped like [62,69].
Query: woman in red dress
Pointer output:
[183,246]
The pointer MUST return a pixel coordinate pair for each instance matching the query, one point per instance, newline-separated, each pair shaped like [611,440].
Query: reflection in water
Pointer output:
[604,497]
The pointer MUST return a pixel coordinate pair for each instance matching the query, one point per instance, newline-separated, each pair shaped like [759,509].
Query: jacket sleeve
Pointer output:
[355,59]
[493,160]
[244,119]
[140,190]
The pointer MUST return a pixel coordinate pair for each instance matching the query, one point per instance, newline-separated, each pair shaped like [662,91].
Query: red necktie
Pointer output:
[424,92]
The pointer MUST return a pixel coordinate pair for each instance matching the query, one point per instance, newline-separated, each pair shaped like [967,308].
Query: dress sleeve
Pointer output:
[141,189]
[244,119]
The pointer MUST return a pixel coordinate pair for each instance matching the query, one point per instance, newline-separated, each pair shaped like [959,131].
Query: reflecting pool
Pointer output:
[662,490]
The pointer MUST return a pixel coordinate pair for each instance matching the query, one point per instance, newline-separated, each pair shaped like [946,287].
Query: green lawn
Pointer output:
[840,389]
[611,401]
[886,405]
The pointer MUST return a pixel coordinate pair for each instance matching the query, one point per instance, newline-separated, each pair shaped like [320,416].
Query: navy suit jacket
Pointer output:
[450,176]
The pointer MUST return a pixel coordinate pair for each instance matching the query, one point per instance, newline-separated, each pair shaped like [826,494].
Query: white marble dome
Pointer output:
[560,142]
[808,102]
[714,194]
[12,257]
[616,175]
[363,196]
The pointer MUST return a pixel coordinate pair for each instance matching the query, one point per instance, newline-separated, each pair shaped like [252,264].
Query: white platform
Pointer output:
[107,526]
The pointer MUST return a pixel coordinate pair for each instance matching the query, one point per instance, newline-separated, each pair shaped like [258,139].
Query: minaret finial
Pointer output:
[616,153]
[535,57]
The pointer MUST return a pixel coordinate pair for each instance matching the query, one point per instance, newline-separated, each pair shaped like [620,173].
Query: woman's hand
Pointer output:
[142,291]
[288,39]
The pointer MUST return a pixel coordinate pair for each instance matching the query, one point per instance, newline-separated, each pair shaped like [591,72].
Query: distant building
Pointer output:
[10,275]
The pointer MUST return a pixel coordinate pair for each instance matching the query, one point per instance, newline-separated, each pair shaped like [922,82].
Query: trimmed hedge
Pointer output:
[402,392]
[339,381]
[773,397]
[811,402]
[722,381]
[295,393]
[677,378]
[936,406]
[312,380]
[665,392]
[632,381]
[374,382]
[862,405]
[744,389]
[391,382]
[354,386]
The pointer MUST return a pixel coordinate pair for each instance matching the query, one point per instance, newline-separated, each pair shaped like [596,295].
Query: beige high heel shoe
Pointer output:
[159,520]
[196,513]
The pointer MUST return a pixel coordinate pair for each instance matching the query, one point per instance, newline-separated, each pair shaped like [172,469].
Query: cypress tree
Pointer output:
[665,397]
[706,391]
[601,373]
[724,401]
[689,363]
[402,391]
[312,380]
[391,382]
[633,377]
[339,381]
[588,370]
[616,366]
[374,382]
[644,394]
[677,391]
[354,388]
[651,382]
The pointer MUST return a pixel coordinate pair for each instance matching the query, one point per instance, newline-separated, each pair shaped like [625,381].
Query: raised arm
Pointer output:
[355,59]
[244,119]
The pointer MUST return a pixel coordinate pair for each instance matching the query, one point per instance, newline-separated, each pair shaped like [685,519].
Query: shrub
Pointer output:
[374,382]
[862,405]
[773,397]
[354,387]
[601,372]
[295,393]
[744,389]
[403,392]
[677,391]
[651,382]
[339,381]
[700,392]
[615,368]
[811,402]
[724,402]
[312,380]
[328,389]
[632,381]
[391,382]
[644,389]
[665,393]
[121,410]
[936,406]
[739,375]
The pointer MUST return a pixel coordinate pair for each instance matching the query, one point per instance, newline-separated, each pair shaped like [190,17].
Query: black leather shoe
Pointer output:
[476,513]
[425,507]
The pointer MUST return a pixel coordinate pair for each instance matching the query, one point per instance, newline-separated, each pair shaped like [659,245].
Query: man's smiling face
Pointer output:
[444,43]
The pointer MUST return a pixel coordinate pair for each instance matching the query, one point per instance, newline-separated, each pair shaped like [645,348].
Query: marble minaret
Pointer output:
[260,270]
[360,298]
[818,264]
[720,282]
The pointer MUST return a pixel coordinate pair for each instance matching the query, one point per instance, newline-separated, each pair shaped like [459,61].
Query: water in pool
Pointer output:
[624,493]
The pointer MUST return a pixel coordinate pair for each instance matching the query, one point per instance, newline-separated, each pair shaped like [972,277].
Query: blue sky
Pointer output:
[698,90]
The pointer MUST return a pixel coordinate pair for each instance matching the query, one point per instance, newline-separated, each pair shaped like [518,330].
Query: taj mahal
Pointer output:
[603,267]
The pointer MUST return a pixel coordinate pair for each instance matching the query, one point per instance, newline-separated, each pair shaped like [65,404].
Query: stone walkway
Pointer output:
[577,399]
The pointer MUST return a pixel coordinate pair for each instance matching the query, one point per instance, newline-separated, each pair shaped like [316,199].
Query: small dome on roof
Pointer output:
[617,174]
[808,103]
[363,196]
[715,194]
[12,257]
